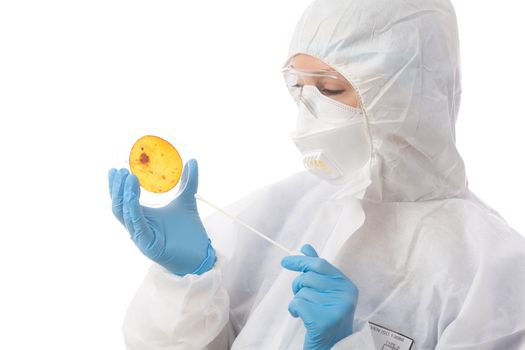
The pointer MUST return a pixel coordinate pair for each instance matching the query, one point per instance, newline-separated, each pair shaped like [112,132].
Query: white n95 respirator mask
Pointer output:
[332,136]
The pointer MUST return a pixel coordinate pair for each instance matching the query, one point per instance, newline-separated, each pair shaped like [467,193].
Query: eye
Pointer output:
[328,92]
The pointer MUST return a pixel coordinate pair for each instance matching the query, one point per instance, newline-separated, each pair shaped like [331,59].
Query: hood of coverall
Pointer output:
[402,58]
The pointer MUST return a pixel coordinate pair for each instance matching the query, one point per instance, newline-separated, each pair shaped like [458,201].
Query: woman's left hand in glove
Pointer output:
[324,298]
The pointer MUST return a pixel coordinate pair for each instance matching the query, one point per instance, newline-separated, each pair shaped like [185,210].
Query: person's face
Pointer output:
[337,89]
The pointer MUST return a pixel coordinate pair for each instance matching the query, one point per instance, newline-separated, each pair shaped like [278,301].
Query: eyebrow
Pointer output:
[328,70]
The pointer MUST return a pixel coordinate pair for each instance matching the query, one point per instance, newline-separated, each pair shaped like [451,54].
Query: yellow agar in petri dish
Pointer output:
[156,163]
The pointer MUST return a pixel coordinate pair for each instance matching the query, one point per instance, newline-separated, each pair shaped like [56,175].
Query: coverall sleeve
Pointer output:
[170,312]
[492,314]
[497,333]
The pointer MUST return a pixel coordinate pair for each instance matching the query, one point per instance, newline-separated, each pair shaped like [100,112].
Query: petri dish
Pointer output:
[154,156]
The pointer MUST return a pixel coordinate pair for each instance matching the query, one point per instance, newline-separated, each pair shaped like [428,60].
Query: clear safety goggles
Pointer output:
[327,82]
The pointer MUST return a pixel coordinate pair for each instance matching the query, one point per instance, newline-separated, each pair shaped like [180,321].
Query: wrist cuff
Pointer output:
[208,262]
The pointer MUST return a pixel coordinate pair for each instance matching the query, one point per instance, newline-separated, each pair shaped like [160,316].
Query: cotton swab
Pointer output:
[289,252]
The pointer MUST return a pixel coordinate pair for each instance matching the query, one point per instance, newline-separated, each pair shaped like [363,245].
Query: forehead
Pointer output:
[303,61]
[307,63]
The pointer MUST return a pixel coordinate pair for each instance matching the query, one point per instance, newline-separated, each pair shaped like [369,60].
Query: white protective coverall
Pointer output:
[433,264]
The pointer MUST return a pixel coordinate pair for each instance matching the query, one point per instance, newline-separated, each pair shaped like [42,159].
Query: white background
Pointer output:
[77,76]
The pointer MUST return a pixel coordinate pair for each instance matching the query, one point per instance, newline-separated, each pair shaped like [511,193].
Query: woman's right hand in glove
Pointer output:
[173,236]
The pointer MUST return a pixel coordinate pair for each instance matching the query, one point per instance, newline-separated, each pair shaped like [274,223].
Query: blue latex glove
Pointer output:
[325,299]
[173,236]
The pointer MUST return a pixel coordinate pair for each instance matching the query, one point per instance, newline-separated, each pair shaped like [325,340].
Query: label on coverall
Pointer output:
[386,339]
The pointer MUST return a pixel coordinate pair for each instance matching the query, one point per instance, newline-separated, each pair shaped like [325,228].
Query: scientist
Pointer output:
[396,252]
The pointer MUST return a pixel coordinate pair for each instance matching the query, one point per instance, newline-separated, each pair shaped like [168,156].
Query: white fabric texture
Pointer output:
[431,261]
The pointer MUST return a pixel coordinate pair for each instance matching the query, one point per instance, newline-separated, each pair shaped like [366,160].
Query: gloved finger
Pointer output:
[132,211]
[308,263]
[308,250]
[302,308]
[117,190]
[313,296]
[294,306]
[111,176]
[125,209]
[189,182]
[318,282]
